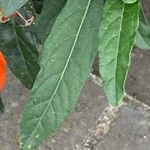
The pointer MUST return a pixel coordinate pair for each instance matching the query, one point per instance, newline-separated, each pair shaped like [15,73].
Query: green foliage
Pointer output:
[117,35]
[17,45]
[70,33]
[37,5]
[10,6]
[47,18]
[1,105]
[143,34]
[129,1]
[66,62]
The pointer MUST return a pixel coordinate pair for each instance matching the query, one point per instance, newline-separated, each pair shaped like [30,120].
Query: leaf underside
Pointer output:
[117,36]
[66,62]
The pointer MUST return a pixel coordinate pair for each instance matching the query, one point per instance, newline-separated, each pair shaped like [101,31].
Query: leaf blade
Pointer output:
[117,35]
[129,1]
[50,11]
[62,50]
[20,53]
[10,6]
[2,107]
[143,35]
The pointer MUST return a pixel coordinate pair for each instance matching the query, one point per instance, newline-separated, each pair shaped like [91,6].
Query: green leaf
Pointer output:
[51,9]
[38,5]
[143,35]
[1,105]
[129,1]
[20,53]
[66,62]
[117,35]
[10,6]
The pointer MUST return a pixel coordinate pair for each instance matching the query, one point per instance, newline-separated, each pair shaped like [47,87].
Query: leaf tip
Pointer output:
[117,102]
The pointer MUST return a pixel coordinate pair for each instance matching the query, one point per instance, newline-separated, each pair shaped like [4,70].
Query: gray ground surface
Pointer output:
[138,83]
[130,131]
[92,124]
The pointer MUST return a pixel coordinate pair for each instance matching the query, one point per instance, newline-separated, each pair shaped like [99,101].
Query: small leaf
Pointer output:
[10,6]
[1,105]
[117,35]
[143,35]
[66,62]
[50,11]
[20,53]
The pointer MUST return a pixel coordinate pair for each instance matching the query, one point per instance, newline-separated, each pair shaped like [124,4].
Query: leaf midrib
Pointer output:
[65,67]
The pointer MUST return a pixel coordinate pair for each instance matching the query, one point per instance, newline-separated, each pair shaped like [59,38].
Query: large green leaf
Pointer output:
[1,105]
[143,35]
[66,63]
[20,52]
[51,9]
[10,6]
[117,36]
